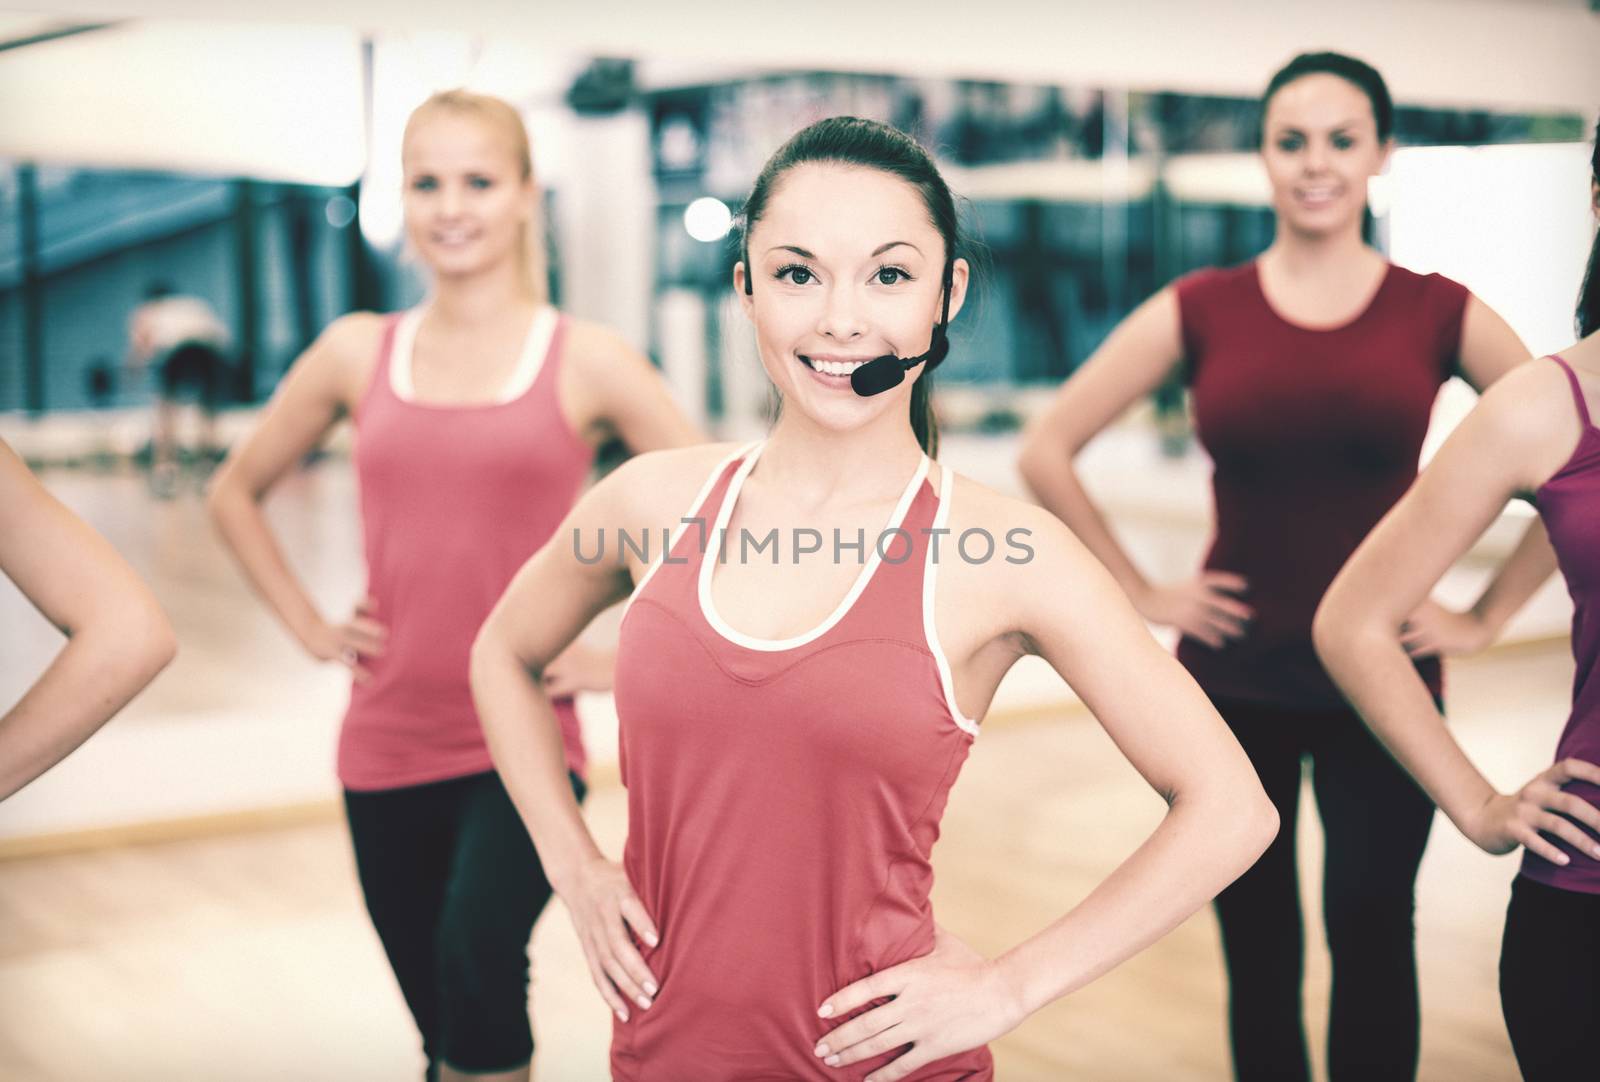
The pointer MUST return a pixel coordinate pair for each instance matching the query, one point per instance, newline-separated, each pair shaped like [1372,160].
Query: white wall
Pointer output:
[1461,52]
[607,220]
[274,102]
[1511,222]
[283,101]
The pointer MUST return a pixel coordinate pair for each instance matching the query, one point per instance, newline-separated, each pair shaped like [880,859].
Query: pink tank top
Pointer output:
[784,797]
[1569,503]
[454,499]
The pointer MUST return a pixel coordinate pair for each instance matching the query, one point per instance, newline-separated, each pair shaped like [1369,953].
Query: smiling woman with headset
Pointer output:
[790,732]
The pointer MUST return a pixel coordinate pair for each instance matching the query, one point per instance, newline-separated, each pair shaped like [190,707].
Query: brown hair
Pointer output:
[501,117]
[1358,73]
[1589,293]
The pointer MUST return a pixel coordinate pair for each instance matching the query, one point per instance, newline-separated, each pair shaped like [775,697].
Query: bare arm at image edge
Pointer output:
[118,639]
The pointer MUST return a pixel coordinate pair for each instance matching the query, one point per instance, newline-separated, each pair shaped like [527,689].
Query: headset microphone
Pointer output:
[883,373]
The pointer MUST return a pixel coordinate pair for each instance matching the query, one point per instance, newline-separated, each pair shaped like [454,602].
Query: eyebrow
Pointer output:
[803,254]
[1343,125]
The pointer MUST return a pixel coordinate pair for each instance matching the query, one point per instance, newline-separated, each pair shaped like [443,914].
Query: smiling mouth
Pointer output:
[828,367]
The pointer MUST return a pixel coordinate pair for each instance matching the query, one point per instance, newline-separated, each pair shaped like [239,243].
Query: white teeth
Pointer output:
[836,368]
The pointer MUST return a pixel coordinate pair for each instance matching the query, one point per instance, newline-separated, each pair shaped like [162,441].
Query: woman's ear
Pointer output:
[740,276]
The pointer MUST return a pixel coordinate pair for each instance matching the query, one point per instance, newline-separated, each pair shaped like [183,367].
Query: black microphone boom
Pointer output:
[883,373]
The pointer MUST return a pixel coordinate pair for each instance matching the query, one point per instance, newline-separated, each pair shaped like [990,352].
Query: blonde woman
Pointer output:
[476,416]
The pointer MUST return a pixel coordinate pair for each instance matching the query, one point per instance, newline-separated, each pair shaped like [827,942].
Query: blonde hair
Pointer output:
[502,117]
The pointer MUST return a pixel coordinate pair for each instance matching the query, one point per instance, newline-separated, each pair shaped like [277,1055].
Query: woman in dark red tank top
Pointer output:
[476,417]
[1533,436]
[792,721]
[1313,370]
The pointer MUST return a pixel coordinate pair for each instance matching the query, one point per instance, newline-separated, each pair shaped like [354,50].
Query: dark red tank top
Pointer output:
[784,797]
[1569,503]
[1313,436]
[454,499]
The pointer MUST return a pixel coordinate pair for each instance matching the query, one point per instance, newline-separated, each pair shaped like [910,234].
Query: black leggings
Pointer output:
[1375,820]
[197,367]
[1550,981]
[454,885]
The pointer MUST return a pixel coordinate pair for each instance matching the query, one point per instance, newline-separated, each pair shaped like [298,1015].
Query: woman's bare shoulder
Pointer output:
[657,488]
[976,506]
[1007,551]
[345,354]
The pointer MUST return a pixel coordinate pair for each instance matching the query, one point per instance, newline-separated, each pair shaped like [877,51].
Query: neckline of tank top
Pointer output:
[708,608]
[1366,309]
[535,349]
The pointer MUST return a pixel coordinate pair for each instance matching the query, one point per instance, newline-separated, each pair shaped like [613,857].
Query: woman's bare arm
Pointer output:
[617,390]
[320,389]
[1489,350]
[1219,820]
[1518,435]
[1067,609]
[1132,362]
[1138,356]
[118,638]
[550,601]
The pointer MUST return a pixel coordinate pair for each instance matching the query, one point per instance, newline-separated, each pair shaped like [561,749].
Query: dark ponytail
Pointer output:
[1589,295]
[923,421]
[850,140]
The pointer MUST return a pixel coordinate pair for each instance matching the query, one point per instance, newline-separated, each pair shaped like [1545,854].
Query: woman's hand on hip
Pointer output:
[361,636]
[1541,807]
[604,909]
[1435,631]
[579,667]
[1202,608]
[948,1001]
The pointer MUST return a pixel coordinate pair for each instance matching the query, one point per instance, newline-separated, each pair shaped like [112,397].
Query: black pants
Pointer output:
[1550,981]
[1376,822]
[195,368]
[453,885]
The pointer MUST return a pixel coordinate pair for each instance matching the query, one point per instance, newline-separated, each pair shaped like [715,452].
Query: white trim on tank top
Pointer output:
[709,559]
[930,571]
[687,519]
[535,347]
